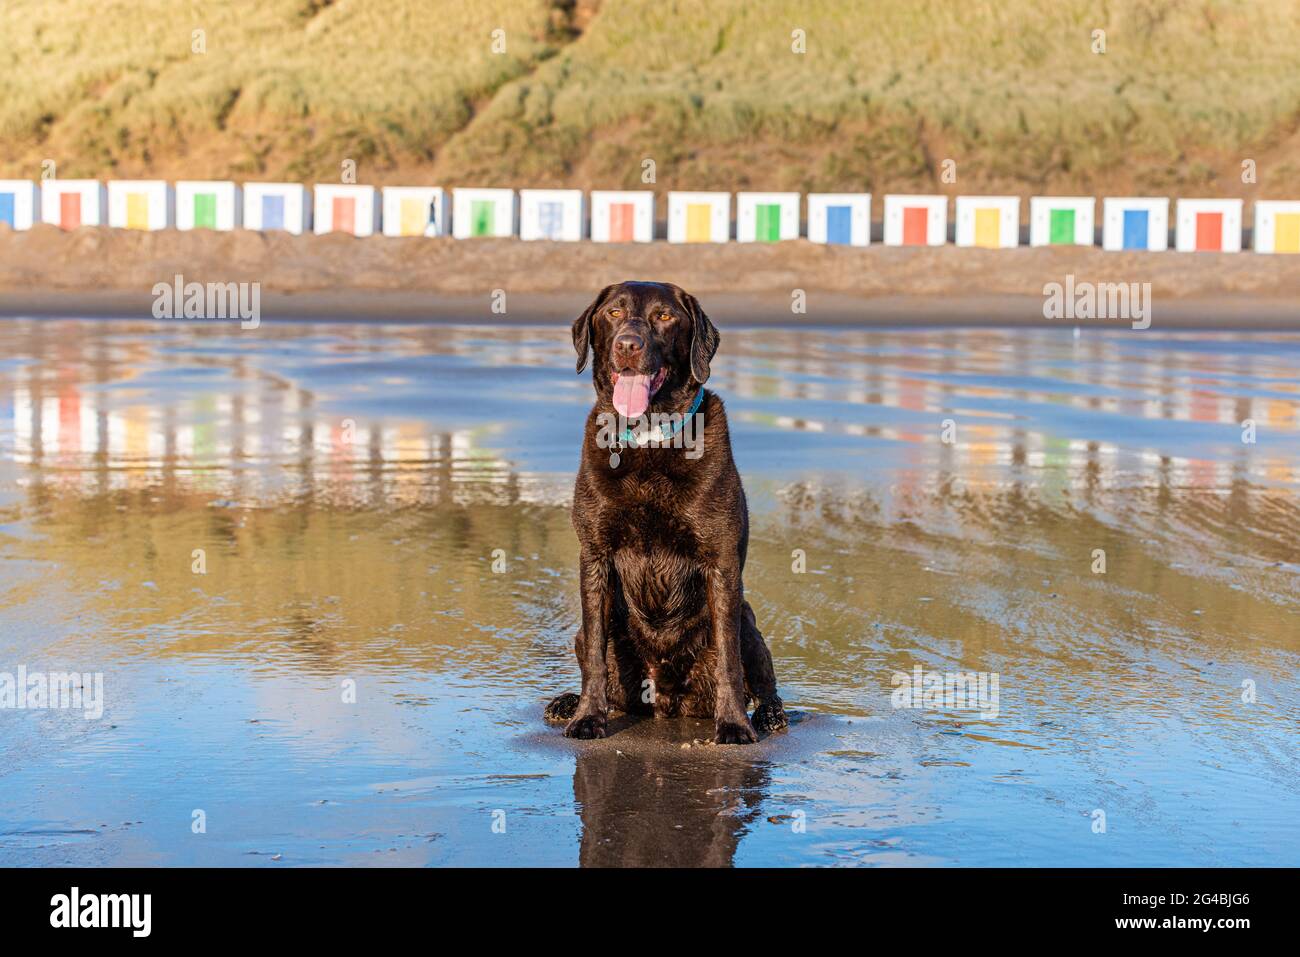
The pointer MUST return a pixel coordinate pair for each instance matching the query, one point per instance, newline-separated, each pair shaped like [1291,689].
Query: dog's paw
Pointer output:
[769,717]
[561,708]
[587,726]
[735,732]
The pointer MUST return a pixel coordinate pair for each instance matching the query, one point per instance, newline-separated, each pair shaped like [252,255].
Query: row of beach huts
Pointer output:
[629,215]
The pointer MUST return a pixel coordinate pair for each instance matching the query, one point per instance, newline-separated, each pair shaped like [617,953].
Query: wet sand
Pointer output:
[106,272]
[349,485]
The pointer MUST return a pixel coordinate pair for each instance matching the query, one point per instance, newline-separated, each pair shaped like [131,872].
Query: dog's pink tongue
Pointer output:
[631,395]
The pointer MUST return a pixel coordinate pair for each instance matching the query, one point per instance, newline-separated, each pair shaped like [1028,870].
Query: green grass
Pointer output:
[1011,91]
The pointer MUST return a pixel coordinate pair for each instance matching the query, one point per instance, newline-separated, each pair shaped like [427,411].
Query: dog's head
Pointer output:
[652,345]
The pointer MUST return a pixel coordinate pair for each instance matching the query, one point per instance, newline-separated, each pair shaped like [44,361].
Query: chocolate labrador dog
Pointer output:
[663,529]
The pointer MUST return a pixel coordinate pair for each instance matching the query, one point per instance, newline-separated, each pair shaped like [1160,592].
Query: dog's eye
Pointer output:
[616,313]
[665,317]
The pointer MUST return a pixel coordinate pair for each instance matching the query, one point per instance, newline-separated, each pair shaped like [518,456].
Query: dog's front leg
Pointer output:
[731,722]
[593,707]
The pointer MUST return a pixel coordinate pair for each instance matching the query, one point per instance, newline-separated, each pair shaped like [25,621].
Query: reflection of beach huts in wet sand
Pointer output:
[139,204]
[19,203]
[415,211]
[767,217]
[207,204]
[622,216]
[699,217]
[1209,226]
[482,212]
[346,208]
[1135,222]
[271,206]
[1062,220]
[1277,226]
[992,222]
[916,220]
[136,437]
[556,214]
[69,203]
[839,219]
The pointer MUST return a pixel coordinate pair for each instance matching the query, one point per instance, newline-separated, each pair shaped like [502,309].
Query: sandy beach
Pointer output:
[97,271]
[347,486]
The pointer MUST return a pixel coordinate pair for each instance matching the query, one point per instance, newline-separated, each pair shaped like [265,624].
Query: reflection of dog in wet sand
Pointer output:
[673,810]
[665,626]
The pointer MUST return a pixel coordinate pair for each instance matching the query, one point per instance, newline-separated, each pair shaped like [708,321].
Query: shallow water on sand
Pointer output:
[350,488]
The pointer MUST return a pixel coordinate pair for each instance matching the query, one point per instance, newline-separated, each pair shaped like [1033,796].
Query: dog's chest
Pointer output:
[662,584]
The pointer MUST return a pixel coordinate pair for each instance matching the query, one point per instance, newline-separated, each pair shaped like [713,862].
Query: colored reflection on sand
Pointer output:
[349,488]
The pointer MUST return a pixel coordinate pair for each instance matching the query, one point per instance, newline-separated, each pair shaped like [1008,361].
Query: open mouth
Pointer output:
[633,391]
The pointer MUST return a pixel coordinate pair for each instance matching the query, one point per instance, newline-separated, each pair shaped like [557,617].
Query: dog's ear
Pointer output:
[582,337]
[704,339]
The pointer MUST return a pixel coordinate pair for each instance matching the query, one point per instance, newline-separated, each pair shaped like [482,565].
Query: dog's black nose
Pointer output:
[628,344]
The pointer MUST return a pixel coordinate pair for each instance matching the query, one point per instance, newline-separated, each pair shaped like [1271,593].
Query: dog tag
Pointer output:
[613,460]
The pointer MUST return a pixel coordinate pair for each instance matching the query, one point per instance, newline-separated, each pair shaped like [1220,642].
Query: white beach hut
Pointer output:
[842,219]
[139,204]
[916,220]
[699,217]
[989,221]
[1209,225]
[767,217]
[557,214]
[414,211]
[270,206]
[1277,226]
[207,204]
[482,212]
[19,203]
[69,203]
[622,216]
[1135,222]
[346,208]
[1062,220]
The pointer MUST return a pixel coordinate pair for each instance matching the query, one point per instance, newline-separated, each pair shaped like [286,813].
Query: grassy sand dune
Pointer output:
[281,88]
[713,93]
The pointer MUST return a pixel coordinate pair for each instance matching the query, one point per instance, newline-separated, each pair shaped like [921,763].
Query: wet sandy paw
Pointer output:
[588,726]
[732,732]
[561,708]
[769,717]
